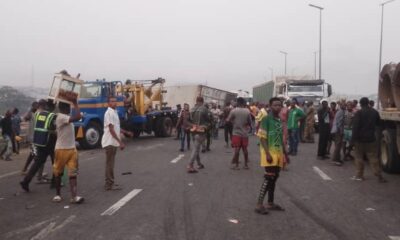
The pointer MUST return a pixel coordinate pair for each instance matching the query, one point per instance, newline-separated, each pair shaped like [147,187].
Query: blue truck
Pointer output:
[130,107]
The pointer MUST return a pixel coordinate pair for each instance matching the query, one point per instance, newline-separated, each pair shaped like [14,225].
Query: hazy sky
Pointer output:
[229,44]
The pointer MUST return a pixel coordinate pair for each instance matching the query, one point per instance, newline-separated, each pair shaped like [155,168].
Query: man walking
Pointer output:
[110,141]
[65,150]
[295,115]
[363,138]
[44,139]
[272,152]
[200,121]
[241,122]
[324,130]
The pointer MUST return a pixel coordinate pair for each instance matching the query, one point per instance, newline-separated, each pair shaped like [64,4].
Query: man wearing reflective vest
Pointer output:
[43,138]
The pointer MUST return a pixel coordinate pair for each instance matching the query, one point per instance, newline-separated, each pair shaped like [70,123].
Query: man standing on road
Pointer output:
[65,150]
[216,112]
[338,132]
[363,138]
[183,126]
[324,130]
[241,121]
[310,122]
[295,115]
[273,152]
[110,141]
[7,132]
[227,125]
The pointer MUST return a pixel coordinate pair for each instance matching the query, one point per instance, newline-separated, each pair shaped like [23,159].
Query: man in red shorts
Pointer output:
[240,118]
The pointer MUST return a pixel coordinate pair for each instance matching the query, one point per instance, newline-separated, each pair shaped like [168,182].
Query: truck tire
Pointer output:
[389,154]
[92,136]
[164,127]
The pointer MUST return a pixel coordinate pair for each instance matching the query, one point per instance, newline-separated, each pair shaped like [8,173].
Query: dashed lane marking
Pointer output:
[9,174]
[394,237]
[121,202]
[175,160]
[322,174]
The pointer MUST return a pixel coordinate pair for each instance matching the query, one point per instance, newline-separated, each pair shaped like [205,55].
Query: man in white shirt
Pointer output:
[65,150]
[111,141]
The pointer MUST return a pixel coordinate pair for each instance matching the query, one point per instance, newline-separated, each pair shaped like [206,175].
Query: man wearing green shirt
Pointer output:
[295,115]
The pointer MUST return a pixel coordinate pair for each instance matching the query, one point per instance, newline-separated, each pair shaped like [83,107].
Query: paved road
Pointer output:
[160,200]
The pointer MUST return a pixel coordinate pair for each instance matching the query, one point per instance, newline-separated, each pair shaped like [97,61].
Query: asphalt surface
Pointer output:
[159,200]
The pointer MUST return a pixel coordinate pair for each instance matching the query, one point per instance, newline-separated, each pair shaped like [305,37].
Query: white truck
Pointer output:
[302,90]
[188,93]
[389,110]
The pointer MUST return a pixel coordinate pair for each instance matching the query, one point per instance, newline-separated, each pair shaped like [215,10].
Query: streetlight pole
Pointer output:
[320,37]
[380,46]
[284,53]
[315,65]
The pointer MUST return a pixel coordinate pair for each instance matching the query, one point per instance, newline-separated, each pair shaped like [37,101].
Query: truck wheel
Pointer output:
[164,128]
[389,155]
[92,137]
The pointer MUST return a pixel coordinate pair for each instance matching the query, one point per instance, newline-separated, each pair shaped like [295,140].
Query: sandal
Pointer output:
[261,210]
[275,207]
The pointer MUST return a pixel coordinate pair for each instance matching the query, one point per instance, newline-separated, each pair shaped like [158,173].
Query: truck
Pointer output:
[286,88]
[389,111]
[137,109]
[188,93]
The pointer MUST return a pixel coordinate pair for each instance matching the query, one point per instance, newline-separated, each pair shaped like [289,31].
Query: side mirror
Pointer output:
[329,90]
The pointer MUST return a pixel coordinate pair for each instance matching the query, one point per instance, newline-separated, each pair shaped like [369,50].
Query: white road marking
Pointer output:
[9,174]
[51,228]
[27,229]
[141,148]
[394,237]
[178,158]
[121,202]
[322,174]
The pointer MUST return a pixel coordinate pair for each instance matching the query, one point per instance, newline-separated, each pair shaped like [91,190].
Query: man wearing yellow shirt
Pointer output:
[272,153]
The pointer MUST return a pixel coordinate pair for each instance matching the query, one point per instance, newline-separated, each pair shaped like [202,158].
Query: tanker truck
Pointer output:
[389,110]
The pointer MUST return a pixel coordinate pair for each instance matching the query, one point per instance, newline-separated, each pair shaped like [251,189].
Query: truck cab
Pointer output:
[93,103]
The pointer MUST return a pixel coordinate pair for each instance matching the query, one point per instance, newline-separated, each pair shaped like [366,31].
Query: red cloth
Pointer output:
[240,142]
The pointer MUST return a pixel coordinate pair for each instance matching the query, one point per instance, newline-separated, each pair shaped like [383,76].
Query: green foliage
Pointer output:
[11,97]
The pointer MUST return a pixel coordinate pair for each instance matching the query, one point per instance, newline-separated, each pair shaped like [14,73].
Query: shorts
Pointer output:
[347,135]
[68,158]
[239,141]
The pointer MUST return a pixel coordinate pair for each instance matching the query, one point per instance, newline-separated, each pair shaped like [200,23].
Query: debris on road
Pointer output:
[190,184]
[66,207]
[126,173]
[370,209]
[232,220]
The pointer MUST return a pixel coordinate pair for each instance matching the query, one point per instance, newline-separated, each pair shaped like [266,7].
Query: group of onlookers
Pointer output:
[11,131]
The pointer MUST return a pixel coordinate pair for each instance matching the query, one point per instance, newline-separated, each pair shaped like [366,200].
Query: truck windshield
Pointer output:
[308,88]
[90,90]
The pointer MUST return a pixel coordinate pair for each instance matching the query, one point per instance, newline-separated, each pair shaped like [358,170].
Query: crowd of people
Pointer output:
[279,125]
